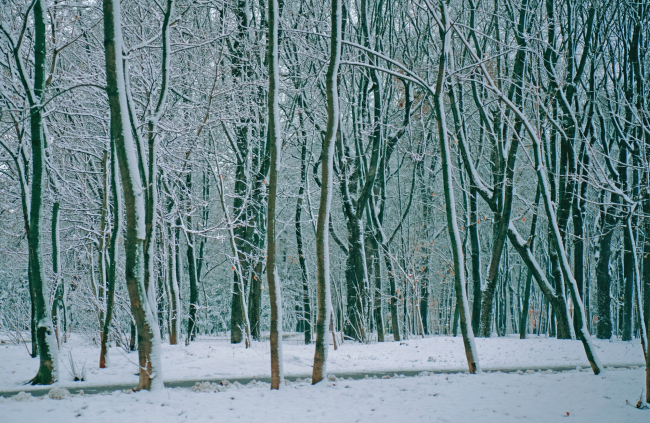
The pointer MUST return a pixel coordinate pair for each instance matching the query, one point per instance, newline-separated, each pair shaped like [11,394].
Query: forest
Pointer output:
[351,175]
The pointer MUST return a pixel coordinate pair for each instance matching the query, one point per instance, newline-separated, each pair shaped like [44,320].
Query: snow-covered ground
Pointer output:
[489,397]
[216,358]
[530,395]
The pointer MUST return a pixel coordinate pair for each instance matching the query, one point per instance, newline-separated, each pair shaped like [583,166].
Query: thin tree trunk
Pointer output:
[59,290]
[118,209]
[628,262]
[476,259]
[579,212]
[194,286]
[191,267]
[450,202]
[646,279]
[275,140]
[322,234]
[523,320]
[636,276]
[376,307]
[306,306]
[393,296]
[240,299]
[101,248]
[174,291]
[603,276]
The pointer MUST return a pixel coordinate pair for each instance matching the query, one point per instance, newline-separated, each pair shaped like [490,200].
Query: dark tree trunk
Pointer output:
[46,340]
[306,306]
[628,266]
[356,277]
[476,259]
[112,257]
[603,275]
[394,319]
[191,267]
[579,212]
[59,283]
[523,319]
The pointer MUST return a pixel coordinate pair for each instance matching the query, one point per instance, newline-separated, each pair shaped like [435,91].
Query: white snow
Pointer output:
[489,397]
[216,358]
[528,394]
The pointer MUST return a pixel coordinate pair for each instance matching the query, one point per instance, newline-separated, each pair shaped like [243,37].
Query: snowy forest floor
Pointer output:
[490,397]
[545,396]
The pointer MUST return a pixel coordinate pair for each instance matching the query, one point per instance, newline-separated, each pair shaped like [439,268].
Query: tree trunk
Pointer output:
[628,259]
[236,255]
[646,279]
[523,320]
[175,313]
[59,283]
[306,306]
[374,275]
[101,247]
[275,140]
[46,340]
[579,212]
[191,268]
[356,277]
[603,276]
[450,202]
[141,307]
[393,297]
[322,234]
[113,250]
[476,259]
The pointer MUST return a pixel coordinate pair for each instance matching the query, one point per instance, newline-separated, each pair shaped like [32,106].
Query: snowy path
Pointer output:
[215,359]
[490,397]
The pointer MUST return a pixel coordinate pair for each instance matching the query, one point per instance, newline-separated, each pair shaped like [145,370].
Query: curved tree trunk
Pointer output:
[322,234]
[450,202]
[141,307]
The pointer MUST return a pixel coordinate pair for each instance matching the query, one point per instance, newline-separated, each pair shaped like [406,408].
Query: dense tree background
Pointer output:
[543,105]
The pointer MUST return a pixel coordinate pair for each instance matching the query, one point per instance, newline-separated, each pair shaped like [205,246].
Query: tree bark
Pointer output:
[58,301]
[191,268]
[450,202]
[141,307]
[175,313]
[46,340]
[306,306]
[322,234]
[275,141]
[118,210]
[523,320]
[476,259]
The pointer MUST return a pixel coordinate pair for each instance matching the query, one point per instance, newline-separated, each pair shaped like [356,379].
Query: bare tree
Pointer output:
[141,307]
